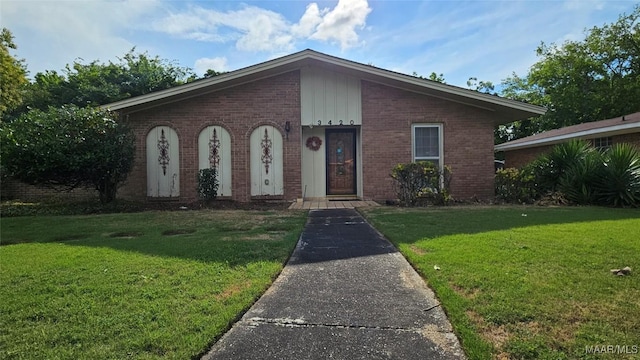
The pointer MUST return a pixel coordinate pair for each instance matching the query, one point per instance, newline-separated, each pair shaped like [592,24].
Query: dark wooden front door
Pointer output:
[341,161]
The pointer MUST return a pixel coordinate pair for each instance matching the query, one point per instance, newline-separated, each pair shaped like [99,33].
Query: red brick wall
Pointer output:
[12,189]
[521,157]
[633,138]
[240,110]
[387,116]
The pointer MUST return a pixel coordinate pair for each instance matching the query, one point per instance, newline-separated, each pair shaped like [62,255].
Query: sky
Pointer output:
[488,40]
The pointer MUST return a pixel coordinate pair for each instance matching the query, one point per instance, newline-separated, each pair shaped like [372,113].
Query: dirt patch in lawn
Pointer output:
[466,293]
[70,237]
[417,250]
[496,335]
[126,234]
[172,232]
[233,290]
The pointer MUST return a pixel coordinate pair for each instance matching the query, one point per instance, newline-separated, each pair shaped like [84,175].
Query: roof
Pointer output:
[596,129]
[506,110]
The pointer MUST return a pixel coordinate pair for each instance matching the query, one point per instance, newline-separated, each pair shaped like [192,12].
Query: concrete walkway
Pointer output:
[346,293]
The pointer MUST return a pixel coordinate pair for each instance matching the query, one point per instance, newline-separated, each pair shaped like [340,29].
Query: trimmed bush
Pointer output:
[207,184]
[67,148]
[421,183]
[516,185]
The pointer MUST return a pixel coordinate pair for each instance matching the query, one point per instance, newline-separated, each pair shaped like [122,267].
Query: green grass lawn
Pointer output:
[527,282]
[143,285]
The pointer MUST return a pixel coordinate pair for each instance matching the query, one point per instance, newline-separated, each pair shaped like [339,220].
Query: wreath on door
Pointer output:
[314,143]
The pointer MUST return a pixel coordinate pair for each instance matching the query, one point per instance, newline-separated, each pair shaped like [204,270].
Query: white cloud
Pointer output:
[340,24]
[252,28]
[218,64]
[308,22]
[257,29]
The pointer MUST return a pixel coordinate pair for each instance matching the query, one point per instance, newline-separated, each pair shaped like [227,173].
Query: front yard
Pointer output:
[516,282]
[528,282]
[142,286]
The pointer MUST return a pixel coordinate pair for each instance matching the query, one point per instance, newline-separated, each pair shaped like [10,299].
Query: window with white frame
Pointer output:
[602,143]
[427,143]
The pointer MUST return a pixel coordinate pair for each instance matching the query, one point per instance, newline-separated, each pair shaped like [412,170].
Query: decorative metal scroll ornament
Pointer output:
[163,147]
[214,150]
[267,156]
[314,143]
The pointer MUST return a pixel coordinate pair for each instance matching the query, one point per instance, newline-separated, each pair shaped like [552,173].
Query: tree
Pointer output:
[433,77]
[68,147]
[13,75]
[212,73]
[481,86]
[96,83]
[581,81]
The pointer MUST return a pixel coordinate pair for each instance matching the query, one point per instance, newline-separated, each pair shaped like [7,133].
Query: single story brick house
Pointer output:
[602,134]
[310,125]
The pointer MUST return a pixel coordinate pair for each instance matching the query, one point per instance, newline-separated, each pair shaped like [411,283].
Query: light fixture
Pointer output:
[287,128]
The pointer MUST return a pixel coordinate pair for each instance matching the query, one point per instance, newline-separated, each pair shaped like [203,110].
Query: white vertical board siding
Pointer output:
[314,176]
[266,161]
[163,162]
[329,96]
[216,136]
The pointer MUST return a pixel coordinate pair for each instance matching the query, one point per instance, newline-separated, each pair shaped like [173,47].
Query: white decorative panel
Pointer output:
[214,150]
[329,98]
[163,163]
[266,161]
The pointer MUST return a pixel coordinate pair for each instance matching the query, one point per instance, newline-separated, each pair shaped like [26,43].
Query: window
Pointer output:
[427,143]
[602,143]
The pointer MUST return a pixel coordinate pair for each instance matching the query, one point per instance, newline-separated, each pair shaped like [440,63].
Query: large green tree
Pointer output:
[13,74]
[581,81]
[68,147]
[96,83]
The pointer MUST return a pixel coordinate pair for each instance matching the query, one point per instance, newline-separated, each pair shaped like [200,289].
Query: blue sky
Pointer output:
[460,39]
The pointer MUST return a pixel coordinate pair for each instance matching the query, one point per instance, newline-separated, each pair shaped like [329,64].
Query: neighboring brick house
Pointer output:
[602,134]
[310,125]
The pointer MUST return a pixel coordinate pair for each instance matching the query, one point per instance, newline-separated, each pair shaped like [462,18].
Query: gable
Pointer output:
[504,110]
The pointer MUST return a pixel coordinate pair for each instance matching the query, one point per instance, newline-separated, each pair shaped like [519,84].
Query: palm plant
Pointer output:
[552,166]
[578,180]
[618,183]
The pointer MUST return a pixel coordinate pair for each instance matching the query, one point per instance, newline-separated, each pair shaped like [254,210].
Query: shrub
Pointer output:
[548,168]
[69,147]
[578,179]
[618,183]
[421,182]
[580,174]
[516,185]
[207,184]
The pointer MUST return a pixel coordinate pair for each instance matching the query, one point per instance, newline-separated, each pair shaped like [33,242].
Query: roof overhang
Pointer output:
[505,110]
[586,134]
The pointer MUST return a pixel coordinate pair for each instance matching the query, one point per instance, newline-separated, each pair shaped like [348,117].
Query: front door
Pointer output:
[341,161]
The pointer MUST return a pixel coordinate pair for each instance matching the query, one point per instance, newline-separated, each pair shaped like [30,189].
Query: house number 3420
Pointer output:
[340,122]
